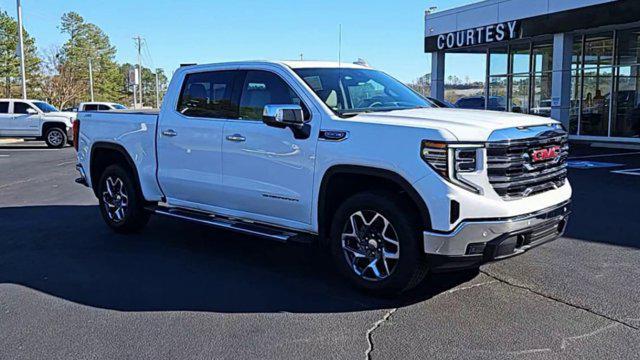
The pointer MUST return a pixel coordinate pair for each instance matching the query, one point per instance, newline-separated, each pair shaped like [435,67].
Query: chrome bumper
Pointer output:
[490,240]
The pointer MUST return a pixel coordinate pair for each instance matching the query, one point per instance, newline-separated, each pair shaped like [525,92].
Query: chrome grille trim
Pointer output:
[513,175]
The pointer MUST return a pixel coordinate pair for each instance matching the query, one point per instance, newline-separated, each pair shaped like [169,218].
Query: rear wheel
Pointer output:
[55,137]
[121,204]
[375,243]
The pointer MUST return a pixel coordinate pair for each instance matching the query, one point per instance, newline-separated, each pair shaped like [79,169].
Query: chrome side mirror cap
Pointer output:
[31,111]
[283,115]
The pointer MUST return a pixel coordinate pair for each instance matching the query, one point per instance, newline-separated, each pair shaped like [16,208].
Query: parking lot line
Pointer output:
[634,172]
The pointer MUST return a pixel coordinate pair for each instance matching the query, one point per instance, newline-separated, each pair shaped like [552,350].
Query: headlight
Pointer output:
[452,160]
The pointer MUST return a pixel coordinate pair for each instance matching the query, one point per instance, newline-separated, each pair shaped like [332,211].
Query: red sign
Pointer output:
[545,154]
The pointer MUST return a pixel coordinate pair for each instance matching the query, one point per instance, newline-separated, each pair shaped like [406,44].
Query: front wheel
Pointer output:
[121,204]
[55,137]
[375,242]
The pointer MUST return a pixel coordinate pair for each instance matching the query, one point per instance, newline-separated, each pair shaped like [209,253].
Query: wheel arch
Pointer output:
[359,178]
[51,124]
[104,154]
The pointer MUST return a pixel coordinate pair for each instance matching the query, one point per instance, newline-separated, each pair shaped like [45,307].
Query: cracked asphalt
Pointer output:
[71,289]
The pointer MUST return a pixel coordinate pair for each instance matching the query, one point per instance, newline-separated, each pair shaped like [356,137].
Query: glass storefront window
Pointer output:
[520,59]
[497,93]
[541,95]
[463,82]
[543,57]
[575,102]
[598,50]
[576,57]
[498,61]
[629,47]
[519,100]
[596,96]
[626,118]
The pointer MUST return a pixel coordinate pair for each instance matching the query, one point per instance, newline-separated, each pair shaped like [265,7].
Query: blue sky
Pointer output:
[388,34]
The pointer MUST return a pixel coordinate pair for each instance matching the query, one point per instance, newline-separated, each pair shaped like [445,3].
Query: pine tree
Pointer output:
[10,61]
[88,41]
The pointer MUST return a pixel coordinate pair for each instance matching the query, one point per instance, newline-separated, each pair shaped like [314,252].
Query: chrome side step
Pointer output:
[237,225]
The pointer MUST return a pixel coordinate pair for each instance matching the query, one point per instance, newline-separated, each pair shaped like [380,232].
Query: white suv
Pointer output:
[35,119]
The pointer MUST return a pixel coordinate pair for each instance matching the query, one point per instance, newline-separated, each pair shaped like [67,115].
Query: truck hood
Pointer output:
[464,125]
[65,114]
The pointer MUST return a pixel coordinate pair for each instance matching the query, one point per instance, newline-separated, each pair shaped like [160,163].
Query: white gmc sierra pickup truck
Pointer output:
[337,153]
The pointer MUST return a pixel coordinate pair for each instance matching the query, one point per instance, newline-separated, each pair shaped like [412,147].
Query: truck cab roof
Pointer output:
[294,64]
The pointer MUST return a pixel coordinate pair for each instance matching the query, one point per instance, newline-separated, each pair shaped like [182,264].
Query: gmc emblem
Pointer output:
[545,154]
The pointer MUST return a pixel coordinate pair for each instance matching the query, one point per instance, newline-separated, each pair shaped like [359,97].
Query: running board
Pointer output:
[241,226]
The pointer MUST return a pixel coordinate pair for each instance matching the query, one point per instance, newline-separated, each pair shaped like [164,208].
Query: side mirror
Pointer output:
[31,111]
[282,116]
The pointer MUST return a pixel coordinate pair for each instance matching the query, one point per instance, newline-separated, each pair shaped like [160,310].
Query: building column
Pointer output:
[437,75]
[561,78]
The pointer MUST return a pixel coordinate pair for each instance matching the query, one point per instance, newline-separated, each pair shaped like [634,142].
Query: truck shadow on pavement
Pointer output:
[67,252]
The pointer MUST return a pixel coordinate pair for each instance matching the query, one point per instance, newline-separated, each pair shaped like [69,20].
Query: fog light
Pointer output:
[475,248]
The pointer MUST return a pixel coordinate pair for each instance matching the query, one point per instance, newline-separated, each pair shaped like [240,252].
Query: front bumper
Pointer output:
[474,242]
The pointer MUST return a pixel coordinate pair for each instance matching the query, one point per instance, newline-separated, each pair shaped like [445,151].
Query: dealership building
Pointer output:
[577,61]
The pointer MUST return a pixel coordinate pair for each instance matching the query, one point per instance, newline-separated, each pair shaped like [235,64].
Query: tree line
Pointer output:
[60,74]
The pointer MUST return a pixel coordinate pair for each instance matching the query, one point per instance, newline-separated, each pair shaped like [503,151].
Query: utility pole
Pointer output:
[157,91]
[138,40]
[90,79]
[21,45]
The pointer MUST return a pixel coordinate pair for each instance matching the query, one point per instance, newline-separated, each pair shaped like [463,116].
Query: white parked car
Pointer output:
[100,106]
[35,119]
[340,154]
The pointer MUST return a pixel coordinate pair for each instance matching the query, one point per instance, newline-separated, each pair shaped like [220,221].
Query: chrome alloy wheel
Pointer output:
[370,245]
[55,138]
[115,199]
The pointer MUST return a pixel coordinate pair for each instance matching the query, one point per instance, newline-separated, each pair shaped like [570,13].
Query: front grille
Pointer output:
[514,175]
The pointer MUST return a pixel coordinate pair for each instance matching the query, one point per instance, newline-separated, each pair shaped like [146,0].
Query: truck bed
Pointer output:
[133,130]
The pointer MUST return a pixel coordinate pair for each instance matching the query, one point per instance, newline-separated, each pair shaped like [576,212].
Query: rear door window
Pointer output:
[4,107]
[103,107]
[208,94]
[90,107]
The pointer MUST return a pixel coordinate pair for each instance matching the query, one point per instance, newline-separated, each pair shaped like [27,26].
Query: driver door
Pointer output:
[26,119]
[267,172]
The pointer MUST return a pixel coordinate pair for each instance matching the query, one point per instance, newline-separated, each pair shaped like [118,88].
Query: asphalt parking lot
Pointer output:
[71,289]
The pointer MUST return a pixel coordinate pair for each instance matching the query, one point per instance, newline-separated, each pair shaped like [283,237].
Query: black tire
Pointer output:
[411,266]
[132,217]
[55,137]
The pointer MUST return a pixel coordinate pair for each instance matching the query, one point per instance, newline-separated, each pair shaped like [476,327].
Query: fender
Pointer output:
[375,172]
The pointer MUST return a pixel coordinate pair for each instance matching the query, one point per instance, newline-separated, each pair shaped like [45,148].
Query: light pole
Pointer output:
[90,79]
[21,45]
[157,91]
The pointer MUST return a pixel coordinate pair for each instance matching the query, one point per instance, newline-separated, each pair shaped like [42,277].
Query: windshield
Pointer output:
[46,108]
[119,106]
[349,91]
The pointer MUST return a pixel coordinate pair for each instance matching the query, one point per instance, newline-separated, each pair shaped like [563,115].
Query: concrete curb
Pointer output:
[10,141]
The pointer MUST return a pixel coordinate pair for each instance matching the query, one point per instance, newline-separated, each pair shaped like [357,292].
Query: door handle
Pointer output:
[169,132]
[236,138]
